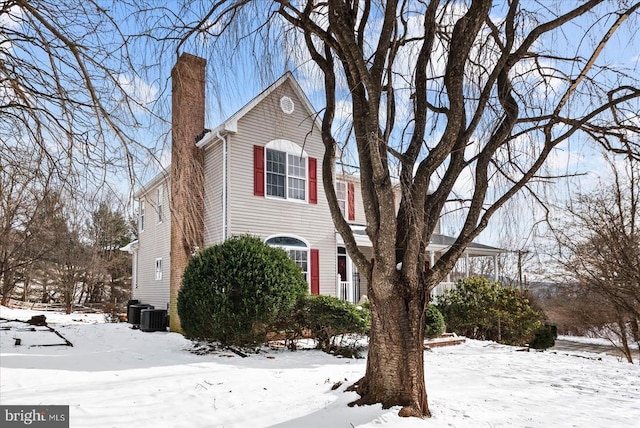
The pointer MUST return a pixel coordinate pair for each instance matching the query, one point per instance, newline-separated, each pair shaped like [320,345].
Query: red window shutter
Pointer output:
[351,202]
[315,271]
[313,181]
[258,170]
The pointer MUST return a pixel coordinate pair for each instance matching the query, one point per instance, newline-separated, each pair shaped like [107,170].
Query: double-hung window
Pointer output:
[141,204]
[276,173]
[159,269]
[297,179]
[159,201]
[283,170]
[286,175]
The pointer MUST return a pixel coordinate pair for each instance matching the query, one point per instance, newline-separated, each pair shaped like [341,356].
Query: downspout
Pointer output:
[224,184]
[135,254]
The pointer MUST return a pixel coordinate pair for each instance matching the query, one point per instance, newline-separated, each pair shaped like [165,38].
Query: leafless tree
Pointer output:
[71,106]
[437,92]
[109,269]
[67,265]
[69,90]
[27,200]
[599,249]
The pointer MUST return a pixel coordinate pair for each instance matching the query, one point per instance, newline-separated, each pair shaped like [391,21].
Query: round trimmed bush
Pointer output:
[236,291]
[434,324]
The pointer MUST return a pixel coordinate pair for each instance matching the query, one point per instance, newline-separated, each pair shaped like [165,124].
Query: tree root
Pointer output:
[414,411]
[407,410]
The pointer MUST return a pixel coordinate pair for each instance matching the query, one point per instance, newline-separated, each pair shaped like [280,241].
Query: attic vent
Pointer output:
[286,104]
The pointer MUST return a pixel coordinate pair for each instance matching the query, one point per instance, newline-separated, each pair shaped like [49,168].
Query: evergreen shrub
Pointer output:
[434,324]
[236,291]
[327,318]
[481,309]
[545,337]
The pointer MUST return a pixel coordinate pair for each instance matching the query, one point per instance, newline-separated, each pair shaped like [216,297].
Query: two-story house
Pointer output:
[261,175]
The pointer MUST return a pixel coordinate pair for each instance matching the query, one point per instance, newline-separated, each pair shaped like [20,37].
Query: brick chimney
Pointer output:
[187,165]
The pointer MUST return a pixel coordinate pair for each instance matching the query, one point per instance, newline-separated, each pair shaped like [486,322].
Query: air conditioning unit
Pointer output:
[153,320]
[133,314]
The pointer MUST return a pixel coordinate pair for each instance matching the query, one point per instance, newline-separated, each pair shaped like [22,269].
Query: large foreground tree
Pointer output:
[472,95]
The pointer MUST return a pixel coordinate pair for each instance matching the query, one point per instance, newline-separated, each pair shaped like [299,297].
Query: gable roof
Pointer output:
[159,178]
[231,124]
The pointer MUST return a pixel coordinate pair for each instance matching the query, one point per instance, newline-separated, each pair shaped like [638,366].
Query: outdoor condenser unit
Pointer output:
[133,314]
[153,320]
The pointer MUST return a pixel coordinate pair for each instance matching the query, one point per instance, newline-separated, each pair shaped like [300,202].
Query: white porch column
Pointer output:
[467,269]
[495,267]
[349,297]
[432,258]
[338,288]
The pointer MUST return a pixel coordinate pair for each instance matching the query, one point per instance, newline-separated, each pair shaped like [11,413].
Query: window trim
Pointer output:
[344,211]
[160,204]
[141,208]
[289,148]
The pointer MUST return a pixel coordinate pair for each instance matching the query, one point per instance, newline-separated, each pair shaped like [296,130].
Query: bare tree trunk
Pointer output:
[635,331]
[25,287]
[45,298]
[7,286]
[84,293]
[67,298]
[395,363]
[623,338]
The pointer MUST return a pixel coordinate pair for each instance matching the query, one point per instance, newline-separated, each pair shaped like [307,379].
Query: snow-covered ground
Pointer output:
[114,376]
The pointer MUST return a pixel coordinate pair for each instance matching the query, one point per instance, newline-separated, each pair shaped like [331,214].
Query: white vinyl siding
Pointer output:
[213,194]
[153,244]
[268,216]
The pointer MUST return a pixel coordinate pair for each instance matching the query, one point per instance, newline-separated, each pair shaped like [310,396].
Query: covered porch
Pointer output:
[350,286]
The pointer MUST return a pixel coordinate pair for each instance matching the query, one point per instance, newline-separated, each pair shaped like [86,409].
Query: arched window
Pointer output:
[297,249]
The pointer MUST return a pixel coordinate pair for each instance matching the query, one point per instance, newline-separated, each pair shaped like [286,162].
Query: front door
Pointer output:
[342,267]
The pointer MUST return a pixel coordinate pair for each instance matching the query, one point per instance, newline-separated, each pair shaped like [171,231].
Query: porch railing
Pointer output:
[348,291]
[441,288]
